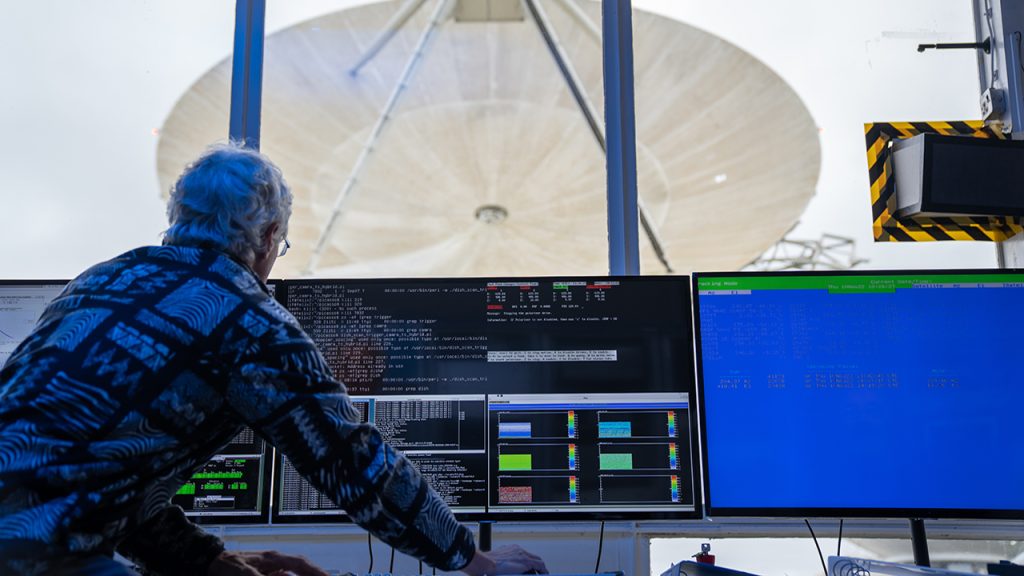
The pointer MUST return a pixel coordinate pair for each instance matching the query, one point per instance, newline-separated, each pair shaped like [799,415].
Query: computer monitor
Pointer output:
[233,487]
[872,394]
[21,304]
[517,398]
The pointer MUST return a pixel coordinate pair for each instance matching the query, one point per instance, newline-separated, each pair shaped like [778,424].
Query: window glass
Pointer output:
[87,88]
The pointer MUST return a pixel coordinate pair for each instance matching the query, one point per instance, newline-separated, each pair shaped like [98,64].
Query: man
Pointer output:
[148,364]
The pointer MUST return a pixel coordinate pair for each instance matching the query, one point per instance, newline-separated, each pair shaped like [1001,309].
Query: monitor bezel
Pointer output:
[684,283]
[824,512]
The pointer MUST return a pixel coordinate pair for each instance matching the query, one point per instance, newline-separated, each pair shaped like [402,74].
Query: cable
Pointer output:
[391,567]
[421,567]
[600,547]
[839,544]
[820,556]
[369,544]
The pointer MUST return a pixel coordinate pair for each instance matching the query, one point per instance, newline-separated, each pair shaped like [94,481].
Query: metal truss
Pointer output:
[830,252]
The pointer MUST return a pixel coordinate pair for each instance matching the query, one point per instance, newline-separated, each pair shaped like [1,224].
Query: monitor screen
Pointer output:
[517,398]
[232,487]
[21,304]
[881,394]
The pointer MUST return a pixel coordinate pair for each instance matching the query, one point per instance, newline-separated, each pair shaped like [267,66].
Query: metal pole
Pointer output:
[620,131]
[579,93]
[247,72]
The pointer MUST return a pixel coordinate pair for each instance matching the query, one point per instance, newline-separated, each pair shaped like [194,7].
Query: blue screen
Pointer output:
[898,391]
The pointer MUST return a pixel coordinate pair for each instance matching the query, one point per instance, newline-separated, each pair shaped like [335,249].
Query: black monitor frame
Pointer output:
[824,512]
[694,448]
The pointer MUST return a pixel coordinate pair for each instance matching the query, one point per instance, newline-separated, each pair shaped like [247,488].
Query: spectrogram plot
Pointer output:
[537,425]
[544,490]
[636,424]
[536,457]
[636,489]
[638,456]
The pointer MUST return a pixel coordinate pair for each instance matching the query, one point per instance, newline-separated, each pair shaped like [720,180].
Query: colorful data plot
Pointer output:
[572,424]
[671,424]
[515,494]
[616,461]
[515,462]
[614,429]
[514,430]
[673,456]
[572,457]
[537,489]
[616,487]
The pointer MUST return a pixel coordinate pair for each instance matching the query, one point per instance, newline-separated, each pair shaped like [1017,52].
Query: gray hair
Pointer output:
[226,200]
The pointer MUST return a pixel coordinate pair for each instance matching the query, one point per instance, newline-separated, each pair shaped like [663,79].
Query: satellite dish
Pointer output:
[485,164]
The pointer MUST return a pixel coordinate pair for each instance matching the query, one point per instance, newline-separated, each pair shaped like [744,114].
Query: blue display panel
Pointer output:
[881,394]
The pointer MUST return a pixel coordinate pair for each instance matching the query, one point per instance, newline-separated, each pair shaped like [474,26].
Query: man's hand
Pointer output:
[505,560]
[264,563]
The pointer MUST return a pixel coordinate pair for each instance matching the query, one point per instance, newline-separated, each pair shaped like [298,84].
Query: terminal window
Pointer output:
[427,357]
[443,436]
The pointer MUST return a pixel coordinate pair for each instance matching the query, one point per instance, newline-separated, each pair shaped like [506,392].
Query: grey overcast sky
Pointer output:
[86,83]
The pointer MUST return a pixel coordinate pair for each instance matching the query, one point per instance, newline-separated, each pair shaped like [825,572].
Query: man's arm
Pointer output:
[287,394]
[168,542]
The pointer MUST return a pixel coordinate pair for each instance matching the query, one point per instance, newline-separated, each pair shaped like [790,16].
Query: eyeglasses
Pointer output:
[284,248]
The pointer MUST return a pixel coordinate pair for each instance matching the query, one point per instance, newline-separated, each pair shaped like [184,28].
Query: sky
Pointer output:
[87,85]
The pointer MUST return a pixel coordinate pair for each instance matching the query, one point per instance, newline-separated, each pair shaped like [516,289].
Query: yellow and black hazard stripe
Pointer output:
[890,228]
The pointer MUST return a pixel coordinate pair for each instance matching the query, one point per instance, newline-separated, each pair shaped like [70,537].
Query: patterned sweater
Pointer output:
[141,370]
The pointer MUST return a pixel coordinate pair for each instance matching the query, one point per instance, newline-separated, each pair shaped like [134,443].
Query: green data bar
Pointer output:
[187,490]
[850,284]
[616,461]
[515,462]
[216,475]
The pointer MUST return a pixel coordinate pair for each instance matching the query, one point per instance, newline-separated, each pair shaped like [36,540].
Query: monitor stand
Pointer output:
[919,542]
[485,535]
